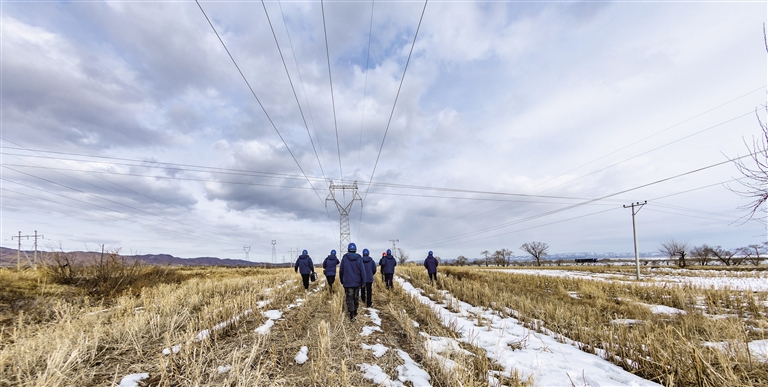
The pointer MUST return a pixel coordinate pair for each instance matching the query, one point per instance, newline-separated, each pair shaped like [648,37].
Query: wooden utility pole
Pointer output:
[634,232]
[18,251]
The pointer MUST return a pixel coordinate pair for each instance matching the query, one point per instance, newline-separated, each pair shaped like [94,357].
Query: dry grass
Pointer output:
[61,335]
[665,349]
[87,341]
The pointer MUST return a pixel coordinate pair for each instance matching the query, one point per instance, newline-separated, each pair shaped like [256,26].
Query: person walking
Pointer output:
[431,264]
[381,263]
[388,264]
[305,267]
[329,269]
[352,276]
[370,270]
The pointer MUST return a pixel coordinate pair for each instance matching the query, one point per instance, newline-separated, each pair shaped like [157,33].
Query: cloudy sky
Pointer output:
[126,123]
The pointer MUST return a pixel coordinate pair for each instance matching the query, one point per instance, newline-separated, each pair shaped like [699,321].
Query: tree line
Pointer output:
[705,254]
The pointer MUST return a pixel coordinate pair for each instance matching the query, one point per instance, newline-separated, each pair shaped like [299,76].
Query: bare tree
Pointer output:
[460,260]
[502,257]
[701,254]
[754,168]
[753,253]
[723,255]
[536,249]
[485,254]
[401,255]
[674,249]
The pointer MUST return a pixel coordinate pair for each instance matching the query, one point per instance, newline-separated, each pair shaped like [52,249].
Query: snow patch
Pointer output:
[367,331]
[132,380]
[378,349]
[302,357]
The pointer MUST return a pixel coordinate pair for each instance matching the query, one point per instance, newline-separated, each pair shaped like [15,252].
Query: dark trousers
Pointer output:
[365,293]
[432,276]
[305,280]
[331,279]
[388,279]
[352,294]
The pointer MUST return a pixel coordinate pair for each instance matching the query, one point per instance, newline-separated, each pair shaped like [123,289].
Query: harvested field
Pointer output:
[245,327]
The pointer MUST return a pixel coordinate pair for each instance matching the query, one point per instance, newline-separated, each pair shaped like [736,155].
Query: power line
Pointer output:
[257,100]
[652,135]
[301,80]
[533,217]
[292,88]
[170,221]
[333,101]
[365,85]
[397,96]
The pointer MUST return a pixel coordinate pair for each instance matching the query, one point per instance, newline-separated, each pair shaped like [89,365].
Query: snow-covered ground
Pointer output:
[718,279]
[529,353]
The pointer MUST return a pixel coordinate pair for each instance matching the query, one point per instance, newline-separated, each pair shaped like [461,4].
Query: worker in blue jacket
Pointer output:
[305,267]
[370,270]
[388,264]
[329,269]
[352,276]
[431,264]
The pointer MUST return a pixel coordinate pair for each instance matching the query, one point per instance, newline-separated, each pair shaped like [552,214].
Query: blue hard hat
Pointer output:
[389,252]
[365,252]
[430,252]
[333,252]
[304,252]
[352,248]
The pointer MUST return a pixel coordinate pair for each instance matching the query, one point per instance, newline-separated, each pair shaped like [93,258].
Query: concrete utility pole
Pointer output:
[247,250]
[634,232]
[18,251]
[274,252]
[394,250]
[345,236]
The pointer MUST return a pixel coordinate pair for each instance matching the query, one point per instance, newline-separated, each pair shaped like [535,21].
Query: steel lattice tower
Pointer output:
[345,236]
[274,252]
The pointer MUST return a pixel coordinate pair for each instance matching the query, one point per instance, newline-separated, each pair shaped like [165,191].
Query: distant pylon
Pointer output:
[247,250]
[274,252]
[345,236]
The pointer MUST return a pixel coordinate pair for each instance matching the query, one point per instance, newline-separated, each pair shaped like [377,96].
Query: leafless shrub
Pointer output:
[460,261]
[537,250]
[674,249]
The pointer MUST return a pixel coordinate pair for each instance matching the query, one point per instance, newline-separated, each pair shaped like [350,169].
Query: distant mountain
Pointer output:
[8,258]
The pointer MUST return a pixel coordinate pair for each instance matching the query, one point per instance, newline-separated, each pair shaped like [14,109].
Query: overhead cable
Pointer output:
[333,101]
[292,88]
[259,101]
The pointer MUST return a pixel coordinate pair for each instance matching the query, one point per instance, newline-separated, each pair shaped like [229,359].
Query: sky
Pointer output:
[137,126]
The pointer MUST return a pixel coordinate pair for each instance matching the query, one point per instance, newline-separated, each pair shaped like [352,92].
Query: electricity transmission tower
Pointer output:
[274,252]
[345,236]
[247,250]
[634,232]
[393,245]
[18,252]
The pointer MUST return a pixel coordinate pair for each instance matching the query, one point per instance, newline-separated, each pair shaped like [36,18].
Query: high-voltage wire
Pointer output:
[259,101]
[292,88]
[333,101]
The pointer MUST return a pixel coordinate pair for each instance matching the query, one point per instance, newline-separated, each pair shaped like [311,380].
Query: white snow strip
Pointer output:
[367,331]
[265,328]
[718,279]
[758,349]
[206,333]
[375,374]
[411,372]
[302,357]
[378,349]
[663,309]
[132,380]
[223,369]
[374,314]
[548,361]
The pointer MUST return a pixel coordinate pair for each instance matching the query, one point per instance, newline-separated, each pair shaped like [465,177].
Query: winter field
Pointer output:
[592,326]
